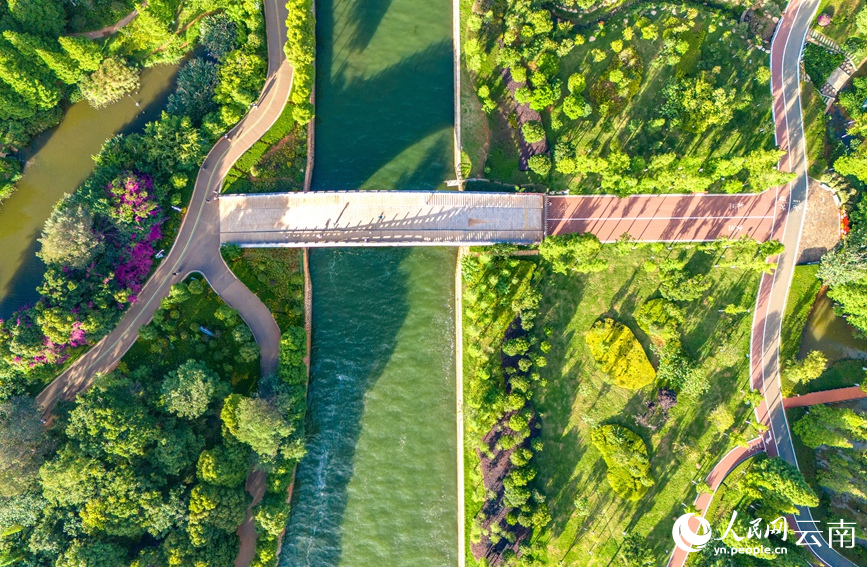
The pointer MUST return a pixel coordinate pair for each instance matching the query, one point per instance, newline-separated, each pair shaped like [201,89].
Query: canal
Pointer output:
[378,486]
[57,162]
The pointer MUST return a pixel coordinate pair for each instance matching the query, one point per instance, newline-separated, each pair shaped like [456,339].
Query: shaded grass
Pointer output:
[802,294]
[814,128]
[578,397]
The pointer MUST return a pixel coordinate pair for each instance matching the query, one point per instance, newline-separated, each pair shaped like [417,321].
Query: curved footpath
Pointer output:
[786,52]
[197,246]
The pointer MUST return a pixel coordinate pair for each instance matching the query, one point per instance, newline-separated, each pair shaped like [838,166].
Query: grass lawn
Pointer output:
[802,294]
[842,14]
[276,163]
[182,337]
[814,128]
[578,397]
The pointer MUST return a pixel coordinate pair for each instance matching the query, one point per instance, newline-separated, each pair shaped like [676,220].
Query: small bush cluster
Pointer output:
[625,454]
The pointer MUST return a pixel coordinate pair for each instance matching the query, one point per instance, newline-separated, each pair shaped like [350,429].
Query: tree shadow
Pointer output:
[354,336]
[369,121]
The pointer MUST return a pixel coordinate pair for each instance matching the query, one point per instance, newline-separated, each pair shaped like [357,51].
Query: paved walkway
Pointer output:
[773,290]
[716,477]
[386,218]
[197,246]
[826,397]
[112,29]
[668,218]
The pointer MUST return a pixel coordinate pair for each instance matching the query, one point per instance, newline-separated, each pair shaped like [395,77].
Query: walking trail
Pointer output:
[786,52]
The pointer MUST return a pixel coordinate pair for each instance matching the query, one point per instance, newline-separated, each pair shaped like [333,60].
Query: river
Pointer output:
[831,334]
[378,486]
[57,162]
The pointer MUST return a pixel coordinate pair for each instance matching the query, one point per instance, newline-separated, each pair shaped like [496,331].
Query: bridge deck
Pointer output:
[381,218]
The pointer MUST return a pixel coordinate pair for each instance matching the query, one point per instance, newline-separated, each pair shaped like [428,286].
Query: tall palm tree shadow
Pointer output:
[359,312]
[363,294]
[368,121]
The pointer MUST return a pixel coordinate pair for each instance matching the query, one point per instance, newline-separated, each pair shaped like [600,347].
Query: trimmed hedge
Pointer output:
[619,354]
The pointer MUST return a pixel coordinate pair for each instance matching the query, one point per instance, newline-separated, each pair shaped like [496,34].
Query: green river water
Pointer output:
[57,161]
[378,487]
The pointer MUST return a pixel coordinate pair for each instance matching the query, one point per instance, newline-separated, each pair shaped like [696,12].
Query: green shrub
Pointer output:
[819,63]
[625,454]
[533,132]
[619,354]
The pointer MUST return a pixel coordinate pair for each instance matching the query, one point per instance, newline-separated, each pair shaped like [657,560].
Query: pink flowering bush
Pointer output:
[824,20]
[133,197]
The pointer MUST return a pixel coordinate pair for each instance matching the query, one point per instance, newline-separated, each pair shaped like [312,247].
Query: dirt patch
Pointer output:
[821,226]
[523,114]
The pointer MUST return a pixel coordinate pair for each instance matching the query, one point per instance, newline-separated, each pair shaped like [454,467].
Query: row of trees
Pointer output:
[500,306]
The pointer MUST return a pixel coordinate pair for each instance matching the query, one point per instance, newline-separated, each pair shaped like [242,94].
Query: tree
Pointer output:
[533,132]
[83,51]
[722,418]
[845,264]
[218,35]
[577,252]
[194,95]
[636,553]
[43,17]
[625,454]
[224,465]
[114,78]
[258,423]
[111,418]
[763,75]
[22,444]
[540,164]
[695,105]
[239,75]
[92,553]
[834,427]
[803,371]
[68,238]
[574,106]
[187,391]
[779,486]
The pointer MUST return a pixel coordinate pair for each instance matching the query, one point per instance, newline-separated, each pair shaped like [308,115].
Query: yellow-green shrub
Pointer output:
[626,456]
[619,354]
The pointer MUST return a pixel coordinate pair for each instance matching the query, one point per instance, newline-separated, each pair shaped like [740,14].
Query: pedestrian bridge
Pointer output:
[381,218]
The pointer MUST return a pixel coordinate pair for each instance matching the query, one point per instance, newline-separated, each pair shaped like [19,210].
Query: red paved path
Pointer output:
[716,477]
[826,397]
[668,218]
